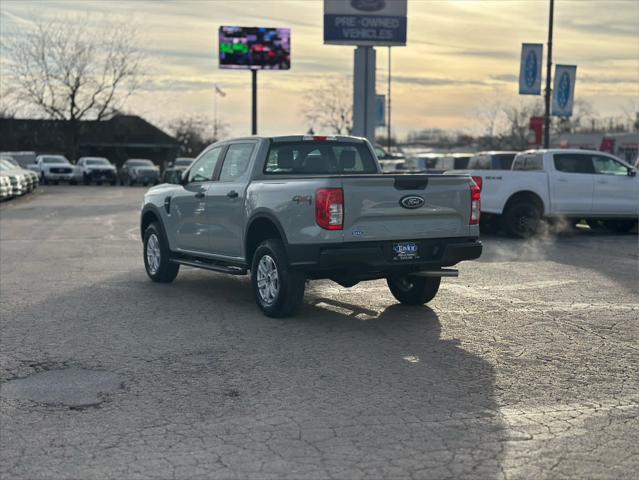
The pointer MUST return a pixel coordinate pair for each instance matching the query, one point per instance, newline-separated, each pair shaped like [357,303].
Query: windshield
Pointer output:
[140,163]
[183,162]
[319,157]
[97,161]
[54,160]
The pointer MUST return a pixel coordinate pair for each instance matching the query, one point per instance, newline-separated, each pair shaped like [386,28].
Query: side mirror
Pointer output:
[182,177]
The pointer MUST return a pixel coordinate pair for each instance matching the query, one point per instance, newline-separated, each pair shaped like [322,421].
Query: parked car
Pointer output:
[139,170]
[18,179]
[572,184]
[172,173]
[30,179]
[493,160]
[6,191]
[24,159]
[95,169]
[33,178]
[294,208]
[54,169]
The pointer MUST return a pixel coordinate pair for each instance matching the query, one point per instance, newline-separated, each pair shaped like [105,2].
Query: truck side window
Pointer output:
[608,166]
[236,161]
[528,162]
[203,168]
[573,163]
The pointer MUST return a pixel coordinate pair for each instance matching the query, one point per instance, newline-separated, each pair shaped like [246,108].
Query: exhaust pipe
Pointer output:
[444,272]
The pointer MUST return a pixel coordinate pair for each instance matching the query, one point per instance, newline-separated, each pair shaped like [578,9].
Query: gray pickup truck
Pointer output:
[294,208]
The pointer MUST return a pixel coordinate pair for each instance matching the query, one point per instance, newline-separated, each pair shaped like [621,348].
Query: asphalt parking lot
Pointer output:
[527,366]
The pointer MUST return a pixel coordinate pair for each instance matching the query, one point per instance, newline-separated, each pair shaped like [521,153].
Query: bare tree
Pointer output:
[195,133]
[330,106]
[518,115]
[68,69]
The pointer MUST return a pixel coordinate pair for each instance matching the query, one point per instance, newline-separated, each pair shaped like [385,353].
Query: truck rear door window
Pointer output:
[528,162]
[316,158]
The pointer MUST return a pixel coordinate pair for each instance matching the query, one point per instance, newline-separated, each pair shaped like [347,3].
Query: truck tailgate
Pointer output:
[373,207]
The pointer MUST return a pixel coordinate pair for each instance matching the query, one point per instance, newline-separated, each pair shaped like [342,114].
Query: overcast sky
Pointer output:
[459,54]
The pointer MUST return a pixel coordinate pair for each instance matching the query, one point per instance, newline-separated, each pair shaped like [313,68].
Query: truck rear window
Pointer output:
[319,157]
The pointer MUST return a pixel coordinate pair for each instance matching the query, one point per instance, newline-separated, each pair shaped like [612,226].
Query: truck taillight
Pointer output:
[475,201]
[479,181]
[329,208]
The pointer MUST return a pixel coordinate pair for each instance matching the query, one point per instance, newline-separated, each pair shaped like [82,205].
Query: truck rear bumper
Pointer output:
[378,257]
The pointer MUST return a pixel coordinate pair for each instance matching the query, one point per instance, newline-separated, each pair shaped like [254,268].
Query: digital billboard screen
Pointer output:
[255,48]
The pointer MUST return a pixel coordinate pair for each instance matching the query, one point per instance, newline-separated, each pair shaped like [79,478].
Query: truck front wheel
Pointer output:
[413,290]
[278,289]
[156,256]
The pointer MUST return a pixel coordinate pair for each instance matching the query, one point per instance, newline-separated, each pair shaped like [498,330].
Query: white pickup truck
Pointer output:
[54,169]
[571,184]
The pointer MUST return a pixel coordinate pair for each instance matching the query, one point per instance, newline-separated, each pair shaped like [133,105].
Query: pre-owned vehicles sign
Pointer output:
[365,22]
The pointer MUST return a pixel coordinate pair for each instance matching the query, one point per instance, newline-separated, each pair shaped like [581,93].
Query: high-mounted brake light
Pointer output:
[475,201]
[317,138]
[329,208]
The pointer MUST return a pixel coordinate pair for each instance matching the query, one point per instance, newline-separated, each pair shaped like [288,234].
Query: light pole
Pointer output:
[388,120]
[548,72]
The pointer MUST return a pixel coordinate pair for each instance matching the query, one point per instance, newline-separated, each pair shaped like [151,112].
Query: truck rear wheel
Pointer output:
[156,256]
[413,290]
[521,219]
[278,289]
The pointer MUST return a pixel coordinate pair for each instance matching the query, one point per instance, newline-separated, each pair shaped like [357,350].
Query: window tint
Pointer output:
[307,157]
[479,162]
[203,169]
[608,166]
[503,161]
[528,162]
[236,161]
[573,163]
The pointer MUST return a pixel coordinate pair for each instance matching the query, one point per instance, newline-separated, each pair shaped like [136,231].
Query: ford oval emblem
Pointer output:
[368,5]
[530,69]
[563,92]
[411,201]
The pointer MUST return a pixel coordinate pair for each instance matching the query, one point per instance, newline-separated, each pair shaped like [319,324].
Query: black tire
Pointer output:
[44,180]
[521,219]
[73,182]
[146,184]
[290,283]
[99,182]
[165,271]
[619,226]
[130,182]
[55,182]
[114,183]
[413,290]
[85,179]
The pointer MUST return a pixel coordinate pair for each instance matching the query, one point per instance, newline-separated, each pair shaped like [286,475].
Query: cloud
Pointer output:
[426,81]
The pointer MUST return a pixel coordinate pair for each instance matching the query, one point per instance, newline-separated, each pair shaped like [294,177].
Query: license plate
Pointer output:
[405,251]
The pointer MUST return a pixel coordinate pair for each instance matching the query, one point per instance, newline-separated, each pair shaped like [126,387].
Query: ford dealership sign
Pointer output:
[365,22]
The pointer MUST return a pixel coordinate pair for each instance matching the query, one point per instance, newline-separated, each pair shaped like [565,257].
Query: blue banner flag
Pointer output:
[564,90]
[530,69]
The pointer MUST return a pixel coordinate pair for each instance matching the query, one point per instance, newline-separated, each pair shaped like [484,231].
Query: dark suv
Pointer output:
[138,170]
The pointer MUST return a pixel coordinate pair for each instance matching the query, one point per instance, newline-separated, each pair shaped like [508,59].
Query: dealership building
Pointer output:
[118,139]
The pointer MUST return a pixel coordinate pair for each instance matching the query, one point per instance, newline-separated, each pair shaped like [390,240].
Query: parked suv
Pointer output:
[295,208]
[95,169]
[175,169]
[139,170]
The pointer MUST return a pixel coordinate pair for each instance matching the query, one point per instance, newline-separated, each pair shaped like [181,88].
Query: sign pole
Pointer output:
[388,120]
[254,112]
[548,71]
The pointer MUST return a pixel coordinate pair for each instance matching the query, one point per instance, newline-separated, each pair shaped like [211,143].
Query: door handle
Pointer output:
[199,194]
[232,194]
